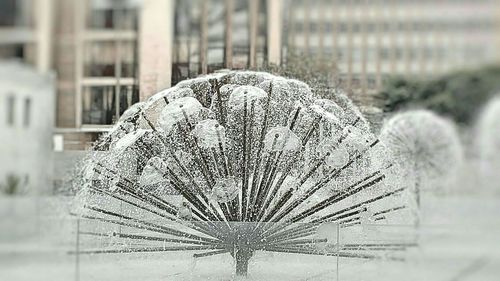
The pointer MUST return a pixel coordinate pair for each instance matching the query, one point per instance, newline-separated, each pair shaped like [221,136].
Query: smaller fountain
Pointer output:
[426,147]
[488,130]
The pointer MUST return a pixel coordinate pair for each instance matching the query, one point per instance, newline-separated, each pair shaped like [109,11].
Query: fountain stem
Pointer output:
[242,257]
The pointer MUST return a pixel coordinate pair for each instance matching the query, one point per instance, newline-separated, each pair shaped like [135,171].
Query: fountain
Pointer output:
[426,147]
[488,130]
[258,163]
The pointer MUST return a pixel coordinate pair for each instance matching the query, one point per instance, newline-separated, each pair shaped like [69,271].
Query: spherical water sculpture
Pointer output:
[488,131]
[259,164]
[426,146]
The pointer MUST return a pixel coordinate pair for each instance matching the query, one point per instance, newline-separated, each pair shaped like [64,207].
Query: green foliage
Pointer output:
[458,95]
[12,185]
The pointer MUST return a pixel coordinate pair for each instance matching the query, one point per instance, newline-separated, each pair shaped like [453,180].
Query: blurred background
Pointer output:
[70,68]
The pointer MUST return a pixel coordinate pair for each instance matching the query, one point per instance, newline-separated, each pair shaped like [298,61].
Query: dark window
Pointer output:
[355,27]
[98,105]
[12,51]
[20,52]
[27,112]
[128,58]
[129,95]
[186,55]
[7,12]
[384,54]
[241,35]
[16,12]
[371,82]
[11,103]
[113,15]
[370,27]
[99,59]
[343,27]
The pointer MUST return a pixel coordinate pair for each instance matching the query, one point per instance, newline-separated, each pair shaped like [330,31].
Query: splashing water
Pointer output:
[426,147]
[259,165]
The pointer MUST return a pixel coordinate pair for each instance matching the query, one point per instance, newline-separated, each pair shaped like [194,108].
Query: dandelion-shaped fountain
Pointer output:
[488,144]
[425,146]
[259,163]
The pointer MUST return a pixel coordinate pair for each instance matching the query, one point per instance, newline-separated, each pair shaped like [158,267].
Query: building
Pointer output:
[109,54]
[371,39]
[26,125]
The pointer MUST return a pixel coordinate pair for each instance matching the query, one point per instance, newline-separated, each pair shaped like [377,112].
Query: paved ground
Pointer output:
[459,241]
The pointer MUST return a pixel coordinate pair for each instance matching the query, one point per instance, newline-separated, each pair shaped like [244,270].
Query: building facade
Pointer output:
[109,54]
[26,126]
[372,39]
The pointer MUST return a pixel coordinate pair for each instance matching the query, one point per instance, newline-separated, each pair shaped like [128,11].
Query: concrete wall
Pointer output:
[26,148]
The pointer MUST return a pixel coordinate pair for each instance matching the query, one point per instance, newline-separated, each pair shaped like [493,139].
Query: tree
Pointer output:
[458,95]
[13,185]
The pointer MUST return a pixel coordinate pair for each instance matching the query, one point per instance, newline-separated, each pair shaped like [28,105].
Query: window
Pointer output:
[186,55]
[24,52]
[7,12]
[356,27]
[127,57]
[97,105]
[398,53]
[110,59]
[27,112]
[427,52]
[241,34]
[355,82]
[128,96]
[12,51]
[99,59]
[371,54]
[109,84]
[356,54]
[11,104]
[385,26]
[371,82]
[114,65]
[103,105]
[15,12]
[111,14]
[215,35]
[314,27]
[343,27]
[370,27]
[384,53]
[261,48]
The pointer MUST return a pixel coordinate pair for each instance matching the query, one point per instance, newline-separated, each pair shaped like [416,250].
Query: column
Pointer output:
[274,30]
[364,19]
[350,43]
[44,34]
[228,48]
[321,16]
[79,11]
[379,33]
[204,37]
[155,45]
[254,25]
